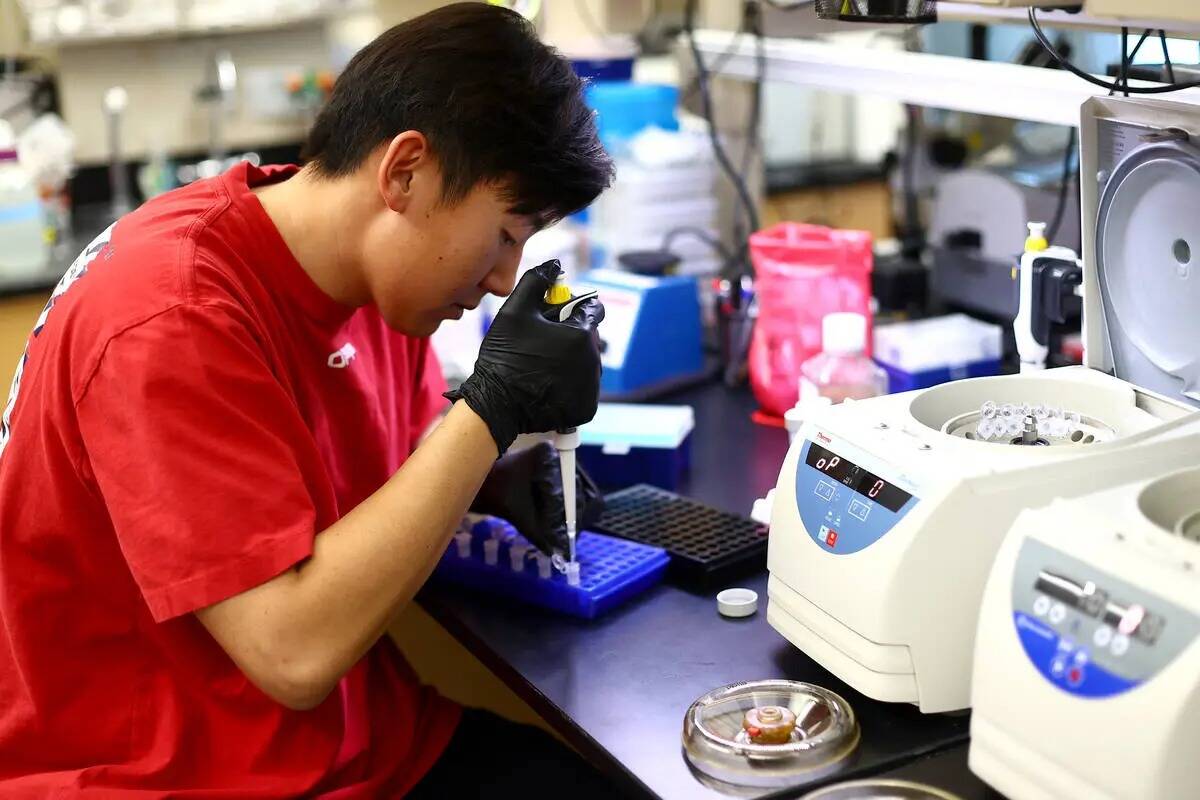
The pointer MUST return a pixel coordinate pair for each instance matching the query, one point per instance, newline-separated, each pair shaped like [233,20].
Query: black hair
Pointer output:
[495,103]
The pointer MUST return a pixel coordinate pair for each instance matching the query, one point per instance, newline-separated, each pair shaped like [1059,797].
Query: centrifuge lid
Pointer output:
[1142,258]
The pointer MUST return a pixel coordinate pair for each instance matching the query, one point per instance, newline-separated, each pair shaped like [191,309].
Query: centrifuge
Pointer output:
[888,512]
[1087,662]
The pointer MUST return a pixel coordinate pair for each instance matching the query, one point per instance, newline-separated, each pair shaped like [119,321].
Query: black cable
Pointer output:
[754,26]
[739,185]
[1067,174]
[1112,87]
[1145,35]
[735,45]
[1162,38]
[700,234]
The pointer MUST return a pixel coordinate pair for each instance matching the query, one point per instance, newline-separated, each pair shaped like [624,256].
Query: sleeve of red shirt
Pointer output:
[203,460]
[427,400]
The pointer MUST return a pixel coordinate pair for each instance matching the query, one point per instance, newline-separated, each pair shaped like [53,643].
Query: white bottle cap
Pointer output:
[737,602]
[844,332]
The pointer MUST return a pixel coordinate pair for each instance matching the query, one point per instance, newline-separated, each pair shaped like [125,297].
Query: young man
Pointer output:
[212,498]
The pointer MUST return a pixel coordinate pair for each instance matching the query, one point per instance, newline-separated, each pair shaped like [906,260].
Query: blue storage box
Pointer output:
[627,444]
[924,353]
[612,570]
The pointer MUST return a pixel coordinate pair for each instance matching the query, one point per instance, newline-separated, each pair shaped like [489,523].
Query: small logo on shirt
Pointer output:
[341,358]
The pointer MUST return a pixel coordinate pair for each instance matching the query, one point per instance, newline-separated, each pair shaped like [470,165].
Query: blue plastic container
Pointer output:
[901,381]
[627,444]
[611,571]
[615,68]
[624,108]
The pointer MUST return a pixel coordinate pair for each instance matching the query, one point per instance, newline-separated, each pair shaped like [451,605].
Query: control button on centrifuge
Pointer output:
[859,510]
[1041,605]
[1058,666]
[1102,636]
[1120,644]
[1058,613]
[1081,657]
[827,536]
[1075,676]
[824,490]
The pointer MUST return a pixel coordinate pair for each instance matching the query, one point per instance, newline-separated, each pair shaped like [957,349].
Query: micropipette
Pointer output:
[562,304]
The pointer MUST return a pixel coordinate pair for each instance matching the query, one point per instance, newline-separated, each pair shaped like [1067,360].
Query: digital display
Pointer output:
[852,475]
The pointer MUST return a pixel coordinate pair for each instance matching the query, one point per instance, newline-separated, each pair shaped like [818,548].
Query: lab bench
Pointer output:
[617,688]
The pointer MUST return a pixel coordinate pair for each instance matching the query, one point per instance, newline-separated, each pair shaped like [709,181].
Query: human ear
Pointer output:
[405,154]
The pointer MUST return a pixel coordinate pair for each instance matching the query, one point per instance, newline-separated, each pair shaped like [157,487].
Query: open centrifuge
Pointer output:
[889,511]
[1087,662]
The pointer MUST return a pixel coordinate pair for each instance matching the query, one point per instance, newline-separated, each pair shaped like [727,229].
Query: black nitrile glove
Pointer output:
[525,488]
[532,374]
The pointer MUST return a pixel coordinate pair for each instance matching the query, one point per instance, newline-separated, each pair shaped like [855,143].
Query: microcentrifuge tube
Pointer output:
[984,429]
[573,573]
[491,552]
[989,409]
[516,556]
[462,540]
[1008,409]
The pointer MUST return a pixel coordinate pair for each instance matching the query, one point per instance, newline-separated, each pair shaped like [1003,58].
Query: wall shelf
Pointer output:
[956,84]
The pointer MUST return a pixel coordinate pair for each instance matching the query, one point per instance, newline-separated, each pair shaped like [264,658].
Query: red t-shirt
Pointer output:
[190,412]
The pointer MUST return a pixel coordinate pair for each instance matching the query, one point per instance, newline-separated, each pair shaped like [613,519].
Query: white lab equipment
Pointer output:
[24,252]
[888,512]
[1086,681]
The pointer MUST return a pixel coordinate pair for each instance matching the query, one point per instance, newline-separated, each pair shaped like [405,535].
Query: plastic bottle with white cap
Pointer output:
[841,371]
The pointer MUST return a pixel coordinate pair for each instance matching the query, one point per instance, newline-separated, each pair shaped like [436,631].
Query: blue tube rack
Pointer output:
[612,570]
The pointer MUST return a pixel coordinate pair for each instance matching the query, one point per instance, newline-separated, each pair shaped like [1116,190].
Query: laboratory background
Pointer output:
[901,363]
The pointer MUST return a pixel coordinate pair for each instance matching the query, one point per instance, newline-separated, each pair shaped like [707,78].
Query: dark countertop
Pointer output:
[617,688]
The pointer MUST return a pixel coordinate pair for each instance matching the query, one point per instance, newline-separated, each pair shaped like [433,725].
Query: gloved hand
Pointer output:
[525,488]
[532,374]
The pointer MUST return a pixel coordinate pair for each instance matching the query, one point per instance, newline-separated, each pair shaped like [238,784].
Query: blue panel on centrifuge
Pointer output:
[1090,633]
[844,507]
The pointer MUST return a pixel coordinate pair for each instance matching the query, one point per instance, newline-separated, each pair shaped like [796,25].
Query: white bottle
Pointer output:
[24,251]
[841,371]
